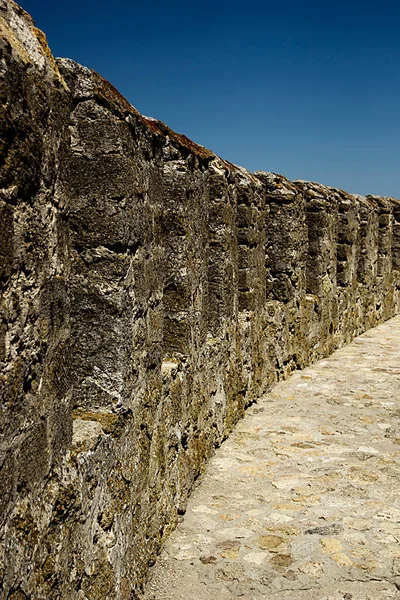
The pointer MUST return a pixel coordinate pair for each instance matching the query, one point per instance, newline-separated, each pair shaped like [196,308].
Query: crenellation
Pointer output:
[285,233]
[150,292]
[222,250]
[348,232]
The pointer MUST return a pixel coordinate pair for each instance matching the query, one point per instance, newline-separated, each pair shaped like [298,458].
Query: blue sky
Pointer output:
[307,89]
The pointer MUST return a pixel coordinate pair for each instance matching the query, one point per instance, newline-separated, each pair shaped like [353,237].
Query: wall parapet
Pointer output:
[150,292]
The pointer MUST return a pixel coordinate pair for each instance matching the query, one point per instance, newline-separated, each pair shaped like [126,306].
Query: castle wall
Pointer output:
[150,292]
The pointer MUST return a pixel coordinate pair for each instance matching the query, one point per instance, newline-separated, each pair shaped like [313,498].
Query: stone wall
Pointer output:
[150,291]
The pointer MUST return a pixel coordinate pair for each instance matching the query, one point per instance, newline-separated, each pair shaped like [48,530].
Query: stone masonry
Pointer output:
[302,501]
[150,292]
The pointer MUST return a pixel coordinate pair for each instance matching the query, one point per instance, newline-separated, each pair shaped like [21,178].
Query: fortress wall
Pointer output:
[35,357]
[150,291]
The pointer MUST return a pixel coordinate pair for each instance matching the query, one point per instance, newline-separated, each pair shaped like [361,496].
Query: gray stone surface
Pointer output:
[150,292]
[302,500]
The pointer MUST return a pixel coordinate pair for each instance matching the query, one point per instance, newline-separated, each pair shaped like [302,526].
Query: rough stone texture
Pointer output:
[150,291]
[302,501]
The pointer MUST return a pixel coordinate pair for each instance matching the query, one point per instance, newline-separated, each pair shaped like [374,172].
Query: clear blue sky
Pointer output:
[304,88]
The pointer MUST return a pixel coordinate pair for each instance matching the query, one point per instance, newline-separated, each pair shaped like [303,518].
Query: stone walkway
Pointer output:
[302,502]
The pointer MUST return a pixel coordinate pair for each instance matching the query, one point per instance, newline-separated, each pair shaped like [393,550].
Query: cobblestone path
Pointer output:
[302,502]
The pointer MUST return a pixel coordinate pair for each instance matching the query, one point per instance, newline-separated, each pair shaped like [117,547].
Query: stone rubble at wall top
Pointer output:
[149,292]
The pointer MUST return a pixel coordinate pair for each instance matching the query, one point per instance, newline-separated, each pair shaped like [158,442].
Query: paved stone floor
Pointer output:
[303,500]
